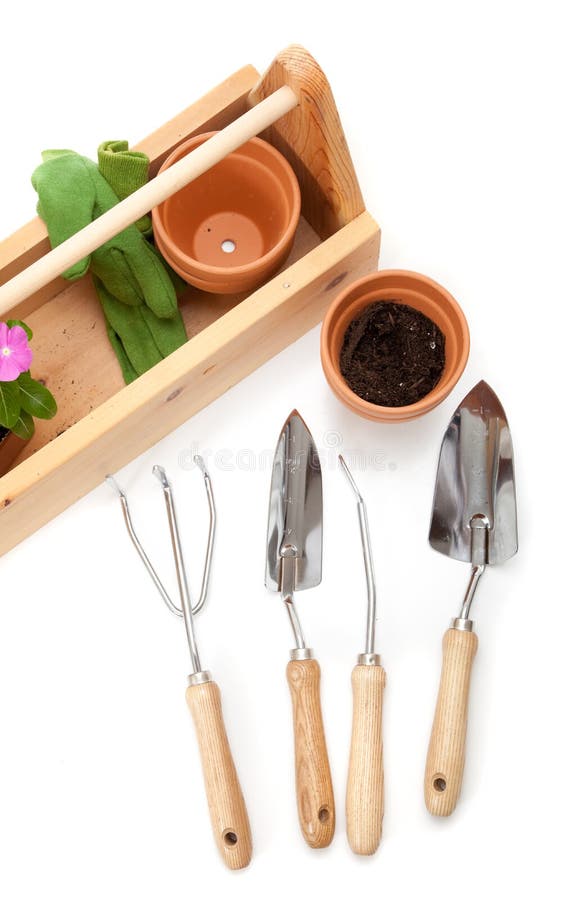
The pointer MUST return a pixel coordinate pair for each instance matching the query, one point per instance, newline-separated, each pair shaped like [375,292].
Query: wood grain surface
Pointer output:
[228,812]
[102,425]
[112,433]
[364,799]
[446,754]
[74,357]
[316,807]
[311,138]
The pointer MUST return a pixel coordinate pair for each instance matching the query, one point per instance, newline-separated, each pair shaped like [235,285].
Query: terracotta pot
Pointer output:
[10,446]
[416,291]
[232,228]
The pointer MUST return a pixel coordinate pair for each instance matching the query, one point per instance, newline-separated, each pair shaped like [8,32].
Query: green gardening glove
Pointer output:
[139,338]
[72,193]
[125,171]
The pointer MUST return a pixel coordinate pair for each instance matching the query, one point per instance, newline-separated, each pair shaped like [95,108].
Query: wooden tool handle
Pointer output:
[145,198]
[316,807]
[225,799]
[446,754]
[364,800]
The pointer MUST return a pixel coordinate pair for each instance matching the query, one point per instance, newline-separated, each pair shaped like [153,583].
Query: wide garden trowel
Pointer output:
[474,520]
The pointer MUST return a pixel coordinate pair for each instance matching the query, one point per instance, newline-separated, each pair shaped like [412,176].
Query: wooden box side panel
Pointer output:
[74,358]
[312,139]
[162,399]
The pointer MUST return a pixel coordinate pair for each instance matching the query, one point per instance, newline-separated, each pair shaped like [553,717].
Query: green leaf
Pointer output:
[35,398]
[10,403]
[24,426]
[12,322]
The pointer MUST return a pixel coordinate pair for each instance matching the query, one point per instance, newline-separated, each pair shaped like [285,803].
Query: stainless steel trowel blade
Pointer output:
[475,478]
[295,521]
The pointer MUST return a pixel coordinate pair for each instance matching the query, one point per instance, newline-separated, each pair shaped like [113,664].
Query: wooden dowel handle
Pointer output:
[364,800]
[228,812]
[143,200]
[316,807]
[446,754]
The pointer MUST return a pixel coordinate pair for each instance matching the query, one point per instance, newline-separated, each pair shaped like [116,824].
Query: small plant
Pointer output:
[22,399]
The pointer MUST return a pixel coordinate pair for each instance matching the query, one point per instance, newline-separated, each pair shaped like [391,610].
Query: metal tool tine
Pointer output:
[183,588]
[142,553]
[211,534]
[367,559]
[181,574]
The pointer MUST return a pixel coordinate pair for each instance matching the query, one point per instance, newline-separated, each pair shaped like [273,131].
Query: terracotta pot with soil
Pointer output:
[232,228]
[393,345]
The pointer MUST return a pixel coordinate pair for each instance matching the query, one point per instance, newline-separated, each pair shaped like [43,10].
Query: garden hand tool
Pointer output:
[474,520]
[293,563]
[364,800]
[72,193]
[228,812]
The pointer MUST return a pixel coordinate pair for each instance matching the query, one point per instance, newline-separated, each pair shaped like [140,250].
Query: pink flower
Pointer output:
[15,354]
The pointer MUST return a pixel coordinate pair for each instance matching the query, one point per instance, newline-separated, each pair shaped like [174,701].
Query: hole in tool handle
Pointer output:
[439,784]
[230,838]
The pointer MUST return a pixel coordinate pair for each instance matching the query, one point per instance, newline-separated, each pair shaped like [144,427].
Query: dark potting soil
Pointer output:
[392,354]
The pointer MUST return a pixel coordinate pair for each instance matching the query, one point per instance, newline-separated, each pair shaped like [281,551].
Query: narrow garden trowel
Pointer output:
[474,520]
[293,563]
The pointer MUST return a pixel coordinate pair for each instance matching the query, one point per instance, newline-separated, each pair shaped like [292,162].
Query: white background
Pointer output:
[459,118]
